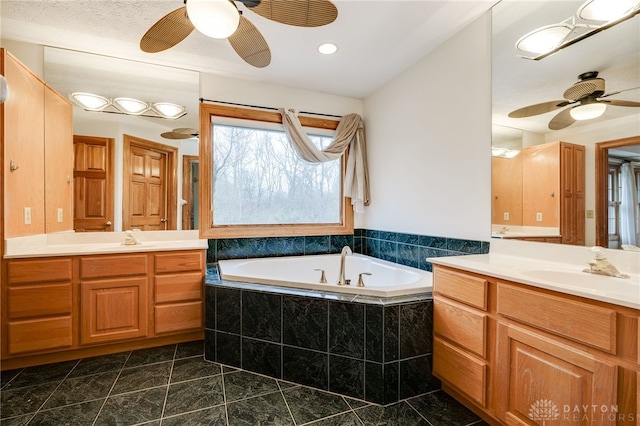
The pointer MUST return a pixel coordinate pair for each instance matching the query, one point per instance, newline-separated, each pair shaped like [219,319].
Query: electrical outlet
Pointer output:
[538,217]
[505,216]
[27,215]
[59,215]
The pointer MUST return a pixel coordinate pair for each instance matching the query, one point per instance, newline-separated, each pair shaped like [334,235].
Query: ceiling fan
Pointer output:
[223,19]
[585,96]
[181,133]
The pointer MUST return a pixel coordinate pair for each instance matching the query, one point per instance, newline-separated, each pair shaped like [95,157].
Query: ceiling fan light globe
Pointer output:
[89,101]
[214,18]
[169,110]
[130,105]
[588,111]
[545,39]
[606,10]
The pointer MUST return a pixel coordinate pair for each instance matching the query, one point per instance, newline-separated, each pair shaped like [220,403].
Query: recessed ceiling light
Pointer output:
[328,48]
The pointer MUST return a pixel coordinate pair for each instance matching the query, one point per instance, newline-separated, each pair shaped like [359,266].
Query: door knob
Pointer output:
[108,223]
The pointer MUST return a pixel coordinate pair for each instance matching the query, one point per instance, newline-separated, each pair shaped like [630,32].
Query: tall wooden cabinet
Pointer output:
[553,189]
[37,141]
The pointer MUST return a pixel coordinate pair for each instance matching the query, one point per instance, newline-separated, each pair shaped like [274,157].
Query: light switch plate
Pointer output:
[538,217]
[59,215]
[27,215]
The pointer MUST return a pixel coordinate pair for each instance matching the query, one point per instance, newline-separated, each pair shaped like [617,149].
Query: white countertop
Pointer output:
[555,267]
[82,243]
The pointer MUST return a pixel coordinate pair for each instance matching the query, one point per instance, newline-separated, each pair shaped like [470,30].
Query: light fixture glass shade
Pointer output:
[328,48]
[588,111]
[89,101]
[130,106]
[544,39]
[605,10]
[214,18]
[169,110]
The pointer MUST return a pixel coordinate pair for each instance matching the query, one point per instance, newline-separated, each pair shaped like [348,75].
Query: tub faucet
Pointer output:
[129,239]
[345,251]
[599,264]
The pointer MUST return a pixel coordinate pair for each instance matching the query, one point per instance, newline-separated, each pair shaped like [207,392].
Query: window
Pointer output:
[254,184]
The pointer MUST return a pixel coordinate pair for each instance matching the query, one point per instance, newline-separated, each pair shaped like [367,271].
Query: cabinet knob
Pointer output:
[108,223]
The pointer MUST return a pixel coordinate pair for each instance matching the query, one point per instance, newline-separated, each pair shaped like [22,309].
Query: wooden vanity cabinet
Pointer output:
[548,355]
[69,307]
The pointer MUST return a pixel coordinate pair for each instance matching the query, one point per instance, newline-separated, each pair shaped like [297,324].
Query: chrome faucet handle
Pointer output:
[323,278]
[360,280]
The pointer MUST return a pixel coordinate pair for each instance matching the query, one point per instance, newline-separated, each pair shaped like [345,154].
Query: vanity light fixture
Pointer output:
[588,111]
[127,106]
[214,18]
[547,40]
[328,48]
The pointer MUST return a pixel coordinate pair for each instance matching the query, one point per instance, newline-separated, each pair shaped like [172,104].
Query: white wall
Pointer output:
[429,142]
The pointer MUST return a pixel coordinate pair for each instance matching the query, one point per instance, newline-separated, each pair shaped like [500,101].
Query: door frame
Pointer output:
[602,171]
[171,178]
[187,188]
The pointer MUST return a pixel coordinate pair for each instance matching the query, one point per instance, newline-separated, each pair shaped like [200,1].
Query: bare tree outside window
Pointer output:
[259,179]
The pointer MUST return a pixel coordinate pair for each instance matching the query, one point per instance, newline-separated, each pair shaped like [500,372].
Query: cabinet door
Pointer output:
[114,309]
[550,381]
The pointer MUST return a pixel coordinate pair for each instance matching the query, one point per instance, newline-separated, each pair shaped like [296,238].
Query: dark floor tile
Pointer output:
[355,403]
[194,395]
[215,416]
[16,421]
[393,415]
[32,376]
[242,384]
[189,349]
[345,419]
[308,404]
[441,409]
[286,385]
[147,376]
[7,376]
[263,410]
[80,389]
[24,400]
[193,368]
[151,356]
[71,415]
[100,364]
[133,408]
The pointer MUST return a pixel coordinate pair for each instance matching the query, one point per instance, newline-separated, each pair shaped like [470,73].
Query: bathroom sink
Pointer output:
[587,282]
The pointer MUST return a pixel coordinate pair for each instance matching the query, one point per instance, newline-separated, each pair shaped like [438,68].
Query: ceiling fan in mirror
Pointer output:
[222,19]
[181,133]
[584,98]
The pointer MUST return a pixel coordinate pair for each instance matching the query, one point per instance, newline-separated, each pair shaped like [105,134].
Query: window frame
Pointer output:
[206,149]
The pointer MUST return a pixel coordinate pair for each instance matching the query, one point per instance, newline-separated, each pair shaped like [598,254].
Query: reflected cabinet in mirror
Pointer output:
[566,127]
[134,153]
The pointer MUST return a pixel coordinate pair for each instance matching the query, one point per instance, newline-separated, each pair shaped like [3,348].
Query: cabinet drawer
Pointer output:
[592,325]
[177,262]
[39,335]
[463,287]
[113,266]
[33,271]
[178,288]
[464,371]
[460,324]
[178,317]
[41,300]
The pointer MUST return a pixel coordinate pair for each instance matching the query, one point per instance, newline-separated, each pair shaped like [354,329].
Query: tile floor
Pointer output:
[174,385]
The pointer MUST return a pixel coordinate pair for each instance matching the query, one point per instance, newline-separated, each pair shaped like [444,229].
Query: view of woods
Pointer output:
[259,179]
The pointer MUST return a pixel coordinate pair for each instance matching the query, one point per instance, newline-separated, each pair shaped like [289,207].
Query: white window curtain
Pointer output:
[628,206]
[349,134]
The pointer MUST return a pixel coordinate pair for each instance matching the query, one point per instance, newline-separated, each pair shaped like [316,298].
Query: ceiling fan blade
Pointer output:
[622,103]
[561,120]
[180,133]
[301,13]
[250,45]
[167,32]
[536,109]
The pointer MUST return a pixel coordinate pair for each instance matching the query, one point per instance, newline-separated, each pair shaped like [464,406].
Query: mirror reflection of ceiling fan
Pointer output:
[586,101]
[222,19]
[181,133]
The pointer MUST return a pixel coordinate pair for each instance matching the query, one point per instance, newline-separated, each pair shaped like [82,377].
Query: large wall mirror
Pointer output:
[530,161]
[132,171]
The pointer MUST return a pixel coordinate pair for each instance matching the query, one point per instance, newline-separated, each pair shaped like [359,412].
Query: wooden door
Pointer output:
[93,183]
[549,381]
[190,191]
[149,187]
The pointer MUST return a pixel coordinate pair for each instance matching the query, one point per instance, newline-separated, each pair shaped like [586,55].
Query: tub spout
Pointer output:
[341,280]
